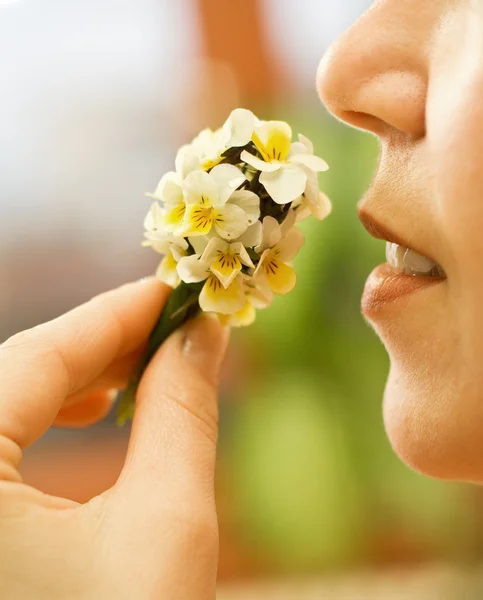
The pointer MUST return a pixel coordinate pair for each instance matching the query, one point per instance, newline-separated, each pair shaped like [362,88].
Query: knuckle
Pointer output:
[35,346]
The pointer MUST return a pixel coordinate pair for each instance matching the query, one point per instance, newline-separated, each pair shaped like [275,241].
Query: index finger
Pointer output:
[41,366]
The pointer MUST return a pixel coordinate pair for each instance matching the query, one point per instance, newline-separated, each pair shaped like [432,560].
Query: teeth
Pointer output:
[410,262]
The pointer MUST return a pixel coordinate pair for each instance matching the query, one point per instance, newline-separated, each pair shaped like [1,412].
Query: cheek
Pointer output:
[433,405]
[455,147]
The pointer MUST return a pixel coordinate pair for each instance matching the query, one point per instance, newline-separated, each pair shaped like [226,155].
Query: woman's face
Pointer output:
[411,72]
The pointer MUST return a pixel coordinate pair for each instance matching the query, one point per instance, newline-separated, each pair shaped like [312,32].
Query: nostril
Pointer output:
[365,121]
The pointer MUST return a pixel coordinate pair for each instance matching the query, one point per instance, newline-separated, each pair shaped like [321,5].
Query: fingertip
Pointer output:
[89,411]
[204,341]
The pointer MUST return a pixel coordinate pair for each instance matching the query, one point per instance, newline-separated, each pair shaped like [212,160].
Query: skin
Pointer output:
[411,73]
[154,533]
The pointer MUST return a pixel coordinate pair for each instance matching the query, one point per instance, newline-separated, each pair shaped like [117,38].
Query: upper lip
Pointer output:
[378,230]
[381,232]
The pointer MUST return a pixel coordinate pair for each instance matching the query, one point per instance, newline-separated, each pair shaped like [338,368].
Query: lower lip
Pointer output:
[385,285]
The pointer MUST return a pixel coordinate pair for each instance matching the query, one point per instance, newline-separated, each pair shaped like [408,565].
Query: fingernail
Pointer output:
[204,341]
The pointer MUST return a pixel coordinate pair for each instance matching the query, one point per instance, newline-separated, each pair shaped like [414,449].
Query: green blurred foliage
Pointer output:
[314,481]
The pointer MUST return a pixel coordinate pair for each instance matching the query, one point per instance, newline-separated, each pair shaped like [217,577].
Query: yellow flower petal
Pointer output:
[207,165]
[167,270]
[198,220]
[215,298]
[273,140]
[280,277]
[244,317]
[226,267]
[173,218]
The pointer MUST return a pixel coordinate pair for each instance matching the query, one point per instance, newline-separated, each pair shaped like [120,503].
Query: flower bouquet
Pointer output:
[226,222]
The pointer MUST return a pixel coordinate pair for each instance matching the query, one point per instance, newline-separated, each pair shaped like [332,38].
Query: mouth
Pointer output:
[406,271]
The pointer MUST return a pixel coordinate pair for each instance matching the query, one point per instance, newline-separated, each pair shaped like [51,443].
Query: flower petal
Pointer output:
[200,188]
[230,221]
[271,234]
[239,127]
[226,267]
[242,254]
[177,251]
[169,189]
[312,162]
[187,160]
[167,272]
[273,140]
[288,223]
[317,202]
[227,179]
[213,249]
[252,236]
[215,298]
[297,148]
[191,269]
[285,185]
[244,317]
[248,202]
[174,217]
[303,212]
[289,246]
[280,277]
[198,220]
[259,164]
[307,143]
[199,243]
[322,208]
[259,293]
[154,219]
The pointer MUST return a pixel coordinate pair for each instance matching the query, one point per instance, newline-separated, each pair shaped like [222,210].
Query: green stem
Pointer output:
[182,304]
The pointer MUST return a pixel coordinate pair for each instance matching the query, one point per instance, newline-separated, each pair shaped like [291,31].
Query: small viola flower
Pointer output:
[257,297]
[207,148]
[244,317]
[165,243]
[212,204]
[156,235]
[312,202]
[167,269]
[214,296]
[280,244]
[283,165]
[170,192]
[226,260]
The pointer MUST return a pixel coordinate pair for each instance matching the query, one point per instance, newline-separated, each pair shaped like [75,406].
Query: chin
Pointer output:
[429,428]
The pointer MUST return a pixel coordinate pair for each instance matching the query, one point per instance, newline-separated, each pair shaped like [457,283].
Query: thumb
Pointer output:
[175,427]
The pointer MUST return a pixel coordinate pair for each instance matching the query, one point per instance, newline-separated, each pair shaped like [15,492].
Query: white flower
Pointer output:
[312,202]
[206,149]
[156,235]
[174,248]
[257,297]
[280,244]
[170,192]
[211,202]
[219,257]
[214,297]
[167,269]
[283,165]
[242,318]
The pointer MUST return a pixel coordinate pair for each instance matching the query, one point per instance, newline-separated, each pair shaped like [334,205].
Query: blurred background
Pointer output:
[96,98]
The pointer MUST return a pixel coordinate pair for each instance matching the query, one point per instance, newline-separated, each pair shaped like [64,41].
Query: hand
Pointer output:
[152,535]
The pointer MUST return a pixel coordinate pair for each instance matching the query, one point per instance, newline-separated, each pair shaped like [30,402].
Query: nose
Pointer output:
[374,76]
